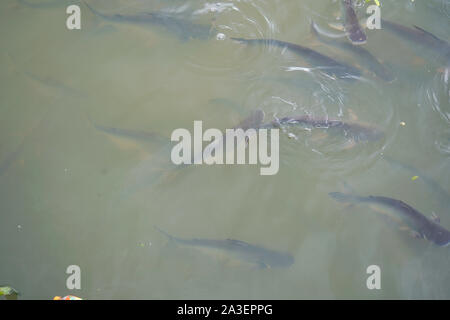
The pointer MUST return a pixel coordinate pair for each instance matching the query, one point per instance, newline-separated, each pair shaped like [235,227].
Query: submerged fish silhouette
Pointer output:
[419,36]
[242,251]
[326,64]
[360,53]
[359,132]
[351,24]
[406,216]
[182,28]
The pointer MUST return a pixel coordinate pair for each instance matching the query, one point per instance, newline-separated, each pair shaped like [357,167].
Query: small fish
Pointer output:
[439,192]
[351,24]
[357,131]
[362,54]
[403,214]
[240,250]
[183,28]
[419,36]
[326,64]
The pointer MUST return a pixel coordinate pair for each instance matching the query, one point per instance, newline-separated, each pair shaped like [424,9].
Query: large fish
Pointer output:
[408,218]
[419,36]
[326,64]
[240,250]
[182,28]
[359,132]
[351,24]
[362,54]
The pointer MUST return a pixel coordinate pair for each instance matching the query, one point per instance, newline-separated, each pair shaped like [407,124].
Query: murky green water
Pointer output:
[71,194]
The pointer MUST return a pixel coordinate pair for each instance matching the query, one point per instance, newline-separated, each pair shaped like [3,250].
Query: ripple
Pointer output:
[250,18]
[434,101]
[333,151]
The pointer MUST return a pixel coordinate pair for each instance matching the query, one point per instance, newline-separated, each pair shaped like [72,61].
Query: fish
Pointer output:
[362,54]
[438,191]
[419,36]
[253,121]
[182,28]
[328,65]
[150,139]
[409,219]
[240,250]
[358,131]
[351,24]
[144,174]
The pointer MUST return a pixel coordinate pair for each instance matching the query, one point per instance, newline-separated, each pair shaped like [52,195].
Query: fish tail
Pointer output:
[172,238]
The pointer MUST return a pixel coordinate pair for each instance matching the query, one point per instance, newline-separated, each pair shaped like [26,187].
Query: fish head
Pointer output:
[277,259]
[441,237]
[286,260]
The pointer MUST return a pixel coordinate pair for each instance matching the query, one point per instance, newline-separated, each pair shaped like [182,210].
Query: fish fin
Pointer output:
[170,237]
[347,187]
[435,217]
[427,33]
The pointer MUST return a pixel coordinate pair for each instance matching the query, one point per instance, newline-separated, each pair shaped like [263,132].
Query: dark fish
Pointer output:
[441,194]
[183,28]
[406,216]
[354,130]
[351,24]
[363,55]
[240,250]
[419,36]
[326,64]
